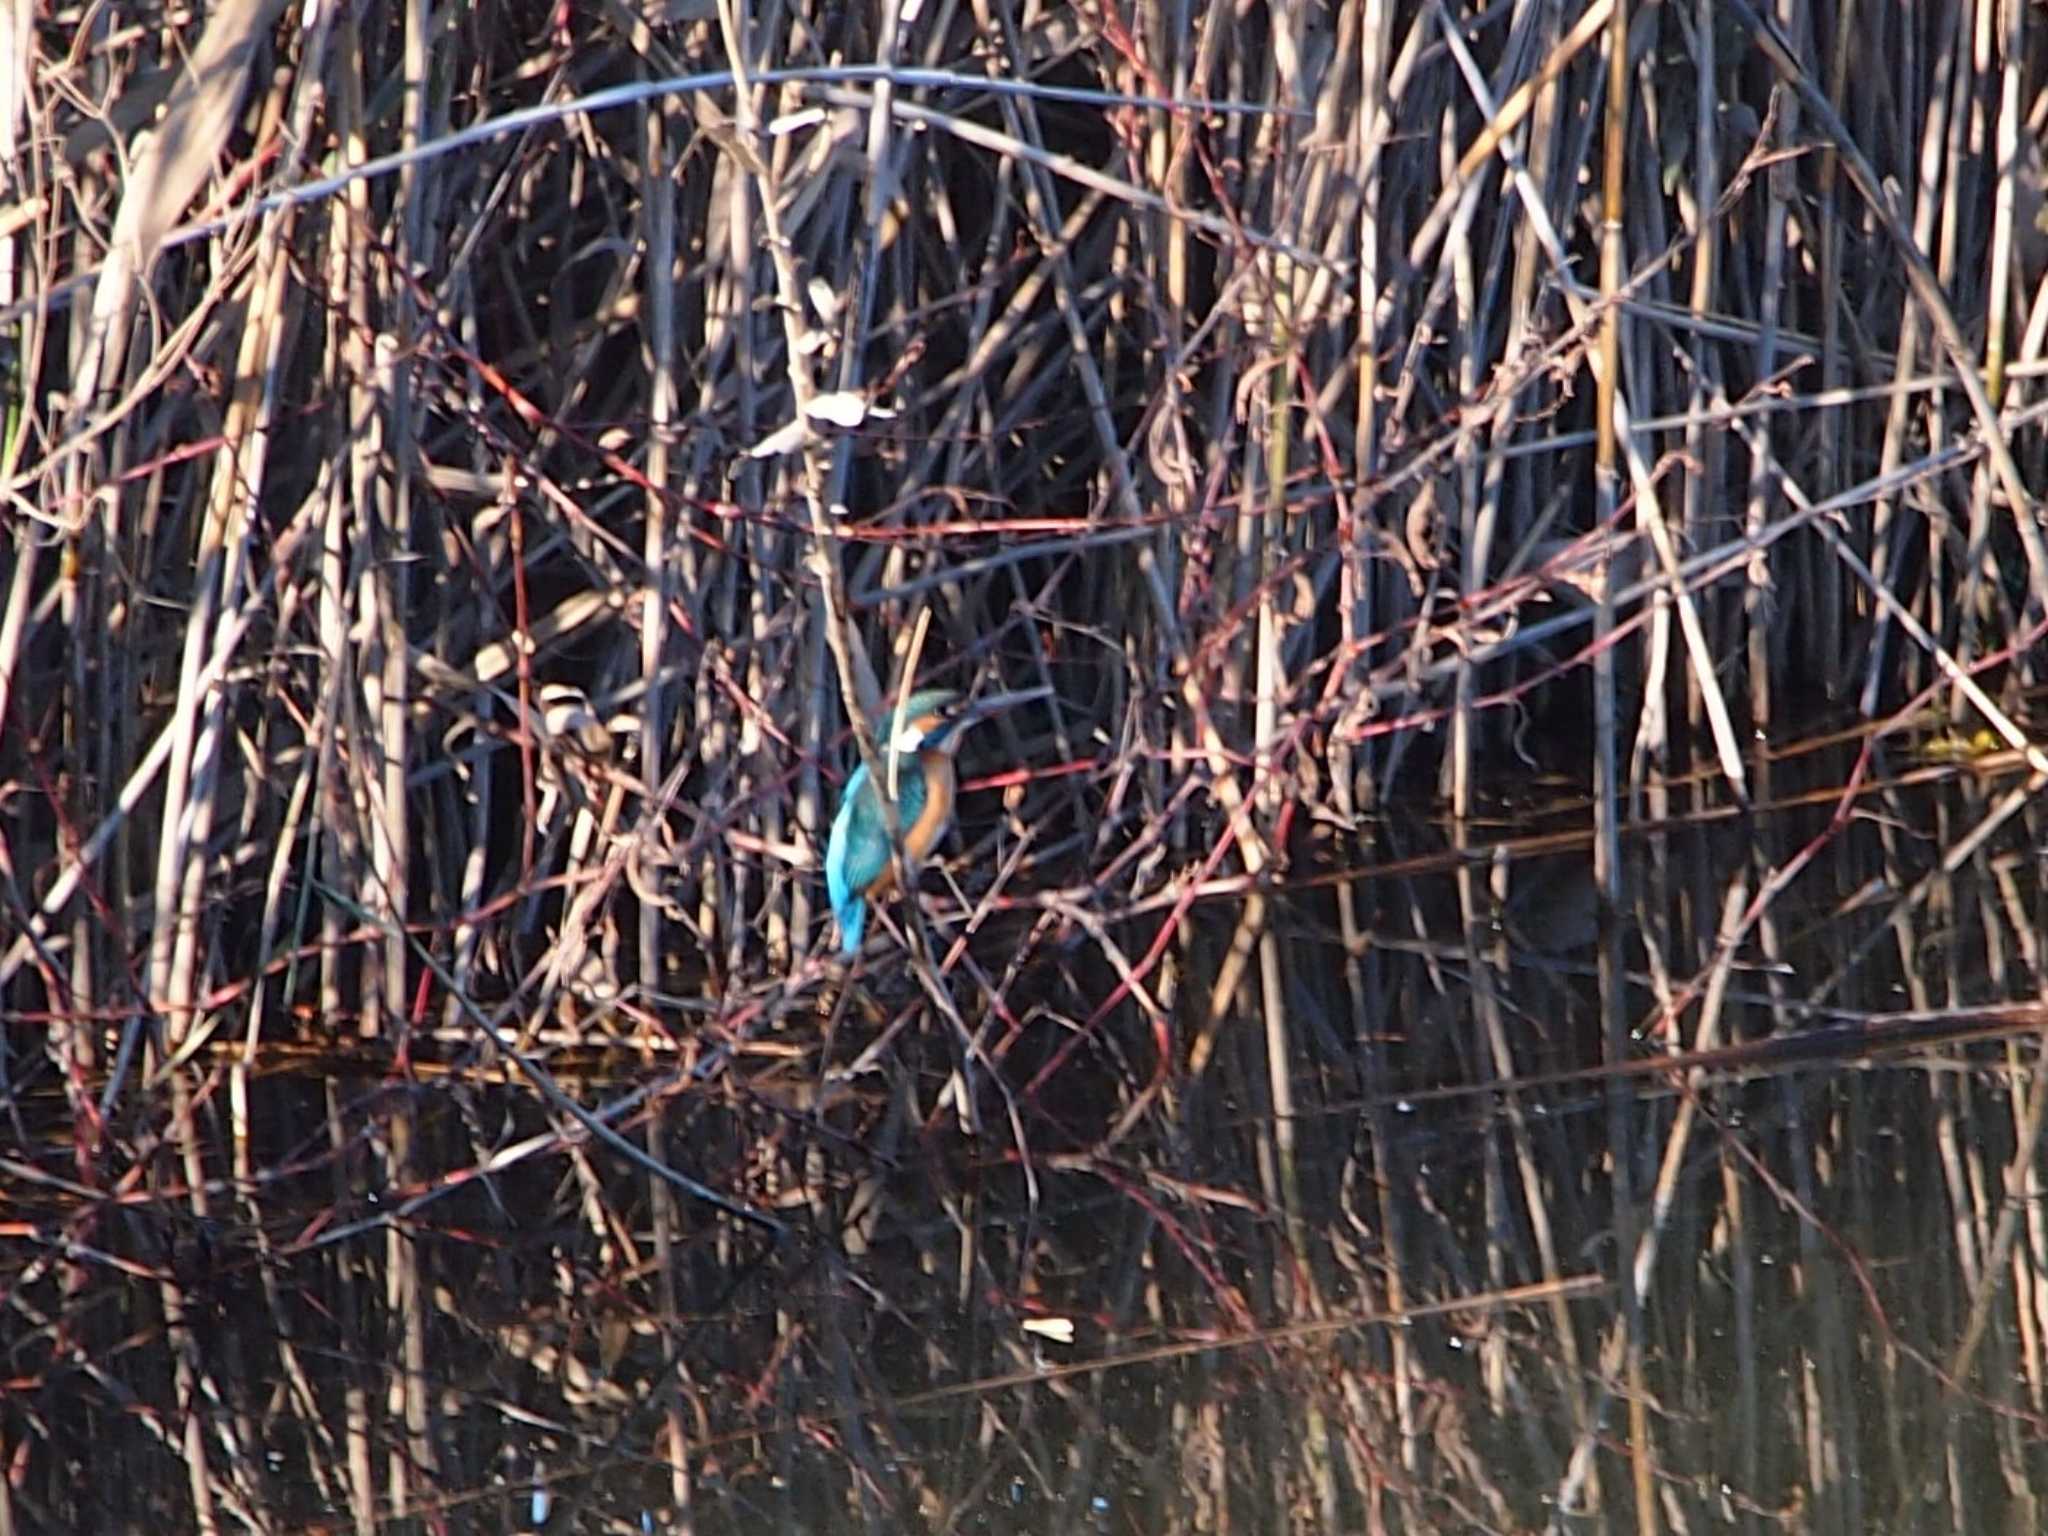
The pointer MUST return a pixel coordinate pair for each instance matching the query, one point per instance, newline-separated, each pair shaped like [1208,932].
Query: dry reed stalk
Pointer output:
[1239,376]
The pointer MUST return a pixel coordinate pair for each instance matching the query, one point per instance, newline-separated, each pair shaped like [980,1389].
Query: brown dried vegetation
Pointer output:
[474,476]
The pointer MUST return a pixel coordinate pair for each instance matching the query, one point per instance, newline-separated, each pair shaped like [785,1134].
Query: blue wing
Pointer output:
[856,853]
[847,861]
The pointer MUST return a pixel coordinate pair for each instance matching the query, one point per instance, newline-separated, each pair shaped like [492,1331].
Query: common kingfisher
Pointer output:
[857,863]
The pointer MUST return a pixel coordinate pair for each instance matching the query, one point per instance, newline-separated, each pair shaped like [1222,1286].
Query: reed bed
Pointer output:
[1527,517]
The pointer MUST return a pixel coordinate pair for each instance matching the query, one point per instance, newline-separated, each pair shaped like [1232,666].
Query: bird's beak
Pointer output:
[996,703]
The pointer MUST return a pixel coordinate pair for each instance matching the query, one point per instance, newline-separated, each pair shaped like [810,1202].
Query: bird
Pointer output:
[924,735]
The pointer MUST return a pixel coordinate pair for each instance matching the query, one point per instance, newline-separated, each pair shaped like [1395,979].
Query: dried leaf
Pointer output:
[845,408]
[784,439]
[172,160]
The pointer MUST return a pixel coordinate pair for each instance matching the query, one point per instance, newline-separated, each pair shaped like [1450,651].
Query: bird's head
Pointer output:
[926,721]
[935,719]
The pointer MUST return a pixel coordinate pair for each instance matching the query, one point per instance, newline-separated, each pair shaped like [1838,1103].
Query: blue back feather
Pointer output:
[857,852]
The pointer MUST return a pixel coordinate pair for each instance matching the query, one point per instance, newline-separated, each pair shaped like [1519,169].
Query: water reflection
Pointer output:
[1364,1262]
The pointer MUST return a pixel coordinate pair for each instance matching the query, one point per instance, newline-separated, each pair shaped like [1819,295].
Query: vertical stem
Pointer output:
[1606,727]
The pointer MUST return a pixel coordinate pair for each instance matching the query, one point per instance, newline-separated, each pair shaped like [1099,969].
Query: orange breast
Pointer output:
[923,834]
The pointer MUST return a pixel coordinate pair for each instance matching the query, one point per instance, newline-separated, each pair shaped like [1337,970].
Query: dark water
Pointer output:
[1331,1230]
